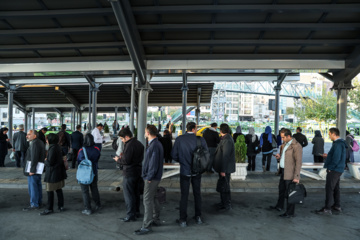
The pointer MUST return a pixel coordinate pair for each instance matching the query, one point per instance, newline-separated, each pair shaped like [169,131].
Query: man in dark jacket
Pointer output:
[35,154]
[77,141]
[224,164]
[300,138]
[151,173]
[131,159]
[183,152]
[212,139]
[20,145]
[335,165]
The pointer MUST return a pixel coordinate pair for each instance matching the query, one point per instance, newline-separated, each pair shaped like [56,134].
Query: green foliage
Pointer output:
[52,116]
[289,110]
[106,129]
[354,95]
[240,149]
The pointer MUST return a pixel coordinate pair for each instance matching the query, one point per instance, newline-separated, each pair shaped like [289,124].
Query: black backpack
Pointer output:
[114,144]
[201,160]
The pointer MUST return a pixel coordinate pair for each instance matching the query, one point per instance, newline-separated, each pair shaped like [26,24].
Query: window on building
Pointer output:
[17,111]
[4,115]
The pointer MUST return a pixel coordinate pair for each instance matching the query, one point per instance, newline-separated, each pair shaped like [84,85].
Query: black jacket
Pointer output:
[167,145]
[301,138]
[77,140]
[153,164]
[54,165]
[224,160]
[267,147]
[132,158]
[236,135]
[211,137]
[42,136]
[35,154]
[251,146]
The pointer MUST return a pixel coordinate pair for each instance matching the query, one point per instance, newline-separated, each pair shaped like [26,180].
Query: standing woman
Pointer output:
[3,145]
[55,174]
[93,154]
[252,143]
[266,140]
[318,148]
[237,133]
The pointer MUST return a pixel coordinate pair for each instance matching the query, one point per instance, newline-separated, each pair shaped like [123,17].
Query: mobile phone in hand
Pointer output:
[112,156]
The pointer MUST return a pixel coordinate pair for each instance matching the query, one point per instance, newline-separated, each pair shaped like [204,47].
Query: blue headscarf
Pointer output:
[268,132]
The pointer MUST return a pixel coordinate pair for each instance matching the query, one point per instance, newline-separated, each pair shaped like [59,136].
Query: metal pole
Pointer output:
[26,121]
[184,100]
[61,118]
[159,115]
[80,117]
[342,103]
[142,113]
[94,109]
[116,117]
[29,121]
[337,107]
[198,108]
[33,118]
[132,102]
[277,108]
[10,111]
[73,119]
[90,97]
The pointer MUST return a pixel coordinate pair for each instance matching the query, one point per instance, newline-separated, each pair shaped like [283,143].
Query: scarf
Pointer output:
[268,132]
[252,133]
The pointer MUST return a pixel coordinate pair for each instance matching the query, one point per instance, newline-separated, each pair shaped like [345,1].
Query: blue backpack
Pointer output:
[85,174]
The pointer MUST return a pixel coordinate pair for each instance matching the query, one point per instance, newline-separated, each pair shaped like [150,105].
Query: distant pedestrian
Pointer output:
[212,139]
[278,138]
[115,126]
[335,165]
[168,125]
[98,138]
[93,153]
[237,133]
[266,140]
[77,141]
[318,148]
[300,138]
[252,142]
[64,141]
[20,145]
[42,133]
[166,142]
[4,143]
[55,174]
[349,152]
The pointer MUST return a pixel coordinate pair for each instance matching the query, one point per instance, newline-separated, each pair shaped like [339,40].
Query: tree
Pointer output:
[289,110]
[354,95]
[52,116]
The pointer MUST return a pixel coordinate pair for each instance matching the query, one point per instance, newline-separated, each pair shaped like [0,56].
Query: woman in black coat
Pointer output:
[4,141]
[252,143]
[167,145]
[55,174]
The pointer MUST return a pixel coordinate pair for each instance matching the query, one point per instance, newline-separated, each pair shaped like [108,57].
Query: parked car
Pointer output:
[56,129]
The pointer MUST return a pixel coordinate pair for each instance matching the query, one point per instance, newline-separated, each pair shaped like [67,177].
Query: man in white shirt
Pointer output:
[98,138]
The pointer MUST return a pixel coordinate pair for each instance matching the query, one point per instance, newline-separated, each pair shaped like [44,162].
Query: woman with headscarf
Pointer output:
[55,174]
[266,140]
[237,133]
[318,148]
[4,140]
[252,143]
[349,152]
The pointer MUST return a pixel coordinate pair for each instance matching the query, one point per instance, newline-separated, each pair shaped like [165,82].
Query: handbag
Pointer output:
[222,185]
[296,193]
[12,156]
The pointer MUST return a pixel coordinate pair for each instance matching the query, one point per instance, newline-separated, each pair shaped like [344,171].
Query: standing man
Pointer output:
[151,173]
[335,165]
[35,154]
[77,141]
[20,146]
[115,126]
[300,138]
[290,166]
[212,139]
[183,152]
[98,138]
[131,160]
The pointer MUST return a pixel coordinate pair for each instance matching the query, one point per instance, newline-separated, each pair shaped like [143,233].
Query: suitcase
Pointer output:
[161,195]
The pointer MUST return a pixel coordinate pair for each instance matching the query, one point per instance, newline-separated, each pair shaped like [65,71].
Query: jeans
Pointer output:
[20,158]
[251,161]
[184,186]
[283,189]
[60,196]
[332,188]
[151,203]
[131,195]
[266,158]
[74,157]
[226,196]
[94,193]
[35,190]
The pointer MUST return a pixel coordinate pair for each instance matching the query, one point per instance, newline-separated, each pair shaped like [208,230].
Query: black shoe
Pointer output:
[285,215]
[275,208]
[181,223]
[224,209]
[323,211]
[127,219]
[156,223]
[97,208]
[61,209]
[336,209]
[46,212]
[143,231]
[198,220]
[137,214]
[30,208]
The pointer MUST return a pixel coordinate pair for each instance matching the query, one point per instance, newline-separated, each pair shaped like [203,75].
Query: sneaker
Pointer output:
[181,223]
[324,211]
[30,208]
[46,212]
[97,208]
[336,209]
[61,209]
[198,220]
[86,212]
[143,231]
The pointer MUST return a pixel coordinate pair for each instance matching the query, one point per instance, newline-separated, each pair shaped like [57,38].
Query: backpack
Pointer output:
[85,174]
[355,146]
[201,159]
[114,144]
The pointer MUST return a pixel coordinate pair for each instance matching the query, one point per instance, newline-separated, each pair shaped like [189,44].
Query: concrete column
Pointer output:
[33,118]
[277,109]
[10,92]
[61,119]
[94,104]
[73,119]
[29,121]
[142,112]
[26,121]
[159,116]
[337,108]
[197,112]
[184,100]
[342,105]
[116,117]
[132,102]
[90,99]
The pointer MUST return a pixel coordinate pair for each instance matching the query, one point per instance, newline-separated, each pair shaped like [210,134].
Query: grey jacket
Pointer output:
[19,141]
[35,154]
[224,160]
[318,148]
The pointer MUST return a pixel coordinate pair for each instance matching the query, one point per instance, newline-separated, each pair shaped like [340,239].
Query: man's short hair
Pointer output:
[286,132]
[190,126]
[34,132]
[63,127]
[125,132]
[299,129]
[166,132]
[44,129]
[78,127]
[334,131]
[152,130]
[224,128]
[21,126]
[213,125]
[99,125]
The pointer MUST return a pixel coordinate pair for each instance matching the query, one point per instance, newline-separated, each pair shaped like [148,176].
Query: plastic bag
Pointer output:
[12,156]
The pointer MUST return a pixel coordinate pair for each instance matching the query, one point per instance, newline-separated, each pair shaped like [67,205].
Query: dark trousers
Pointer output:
[168,159]
[226,196]
[94,193]
[74,157]
[283,189]
[332,188]
[185,186]
[2,159]
[99,145]
[266,158]
[20,158]
[60,197]
[251,161]
[318,159]
[131,195]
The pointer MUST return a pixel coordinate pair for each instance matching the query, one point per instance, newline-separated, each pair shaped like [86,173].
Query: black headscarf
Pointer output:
[318,133]
[3,136]
[53,138]
[89,140]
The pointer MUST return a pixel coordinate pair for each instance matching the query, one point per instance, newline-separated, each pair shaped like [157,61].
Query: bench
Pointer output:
[354,169]
[174,169]
[321,175]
